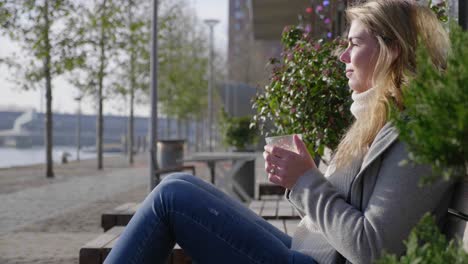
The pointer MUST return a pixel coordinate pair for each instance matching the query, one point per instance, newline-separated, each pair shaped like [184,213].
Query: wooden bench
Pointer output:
[265,188]
[268,209]
[119,216]
[95,251]
[278,212]
[274,209]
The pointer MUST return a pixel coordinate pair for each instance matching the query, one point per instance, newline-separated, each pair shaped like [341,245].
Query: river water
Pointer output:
[11,157]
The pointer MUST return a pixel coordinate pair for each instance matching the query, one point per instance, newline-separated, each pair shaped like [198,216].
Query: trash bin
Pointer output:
[170,153]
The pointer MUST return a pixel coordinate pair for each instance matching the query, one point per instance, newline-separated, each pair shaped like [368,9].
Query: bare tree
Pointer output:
[44,30]
[99,28]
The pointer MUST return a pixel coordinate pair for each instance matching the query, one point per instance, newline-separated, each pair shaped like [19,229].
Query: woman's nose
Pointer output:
[344,57]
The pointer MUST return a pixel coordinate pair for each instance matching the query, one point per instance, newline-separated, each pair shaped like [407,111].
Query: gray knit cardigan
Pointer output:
[355,214]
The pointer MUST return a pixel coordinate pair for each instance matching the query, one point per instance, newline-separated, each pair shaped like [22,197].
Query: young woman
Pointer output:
[364,204]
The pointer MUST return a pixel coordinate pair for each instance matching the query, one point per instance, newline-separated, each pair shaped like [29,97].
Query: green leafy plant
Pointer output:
[434,126]
[238,132]
[440,8]
[435,121]
[426,244]
[307,93]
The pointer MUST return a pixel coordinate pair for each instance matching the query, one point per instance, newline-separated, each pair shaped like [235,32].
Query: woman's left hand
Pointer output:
[284,167]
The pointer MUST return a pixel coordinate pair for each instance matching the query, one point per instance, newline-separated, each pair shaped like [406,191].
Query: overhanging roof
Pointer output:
[269,17]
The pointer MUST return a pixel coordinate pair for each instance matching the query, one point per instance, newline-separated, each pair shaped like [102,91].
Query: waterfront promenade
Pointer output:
[48,220]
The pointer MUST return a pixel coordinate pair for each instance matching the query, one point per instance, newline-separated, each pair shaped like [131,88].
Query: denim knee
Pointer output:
[171,189]
[179,176]
[169,192]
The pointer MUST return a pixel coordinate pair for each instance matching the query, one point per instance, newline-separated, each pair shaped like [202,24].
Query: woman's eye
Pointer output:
[351,44]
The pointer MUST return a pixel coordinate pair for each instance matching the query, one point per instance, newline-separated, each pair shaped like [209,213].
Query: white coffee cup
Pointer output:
[285,142]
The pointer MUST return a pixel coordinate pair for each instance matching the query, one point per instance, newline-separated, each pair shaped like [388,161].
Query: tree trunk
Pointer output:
[48,83]
[99,128]
[100,119]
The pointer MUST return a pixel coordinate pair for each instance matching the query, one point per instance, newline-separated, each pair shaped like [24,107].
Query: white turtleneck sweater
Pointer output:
[361,102]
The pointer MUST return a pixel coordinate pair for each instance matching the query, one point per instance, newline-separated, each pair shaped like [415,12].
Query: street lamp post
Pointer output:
[211,23]
[78,128]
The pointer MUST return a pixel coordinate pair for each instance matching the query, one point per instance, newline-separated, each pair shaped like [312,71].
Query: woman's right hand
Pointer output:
[284,167]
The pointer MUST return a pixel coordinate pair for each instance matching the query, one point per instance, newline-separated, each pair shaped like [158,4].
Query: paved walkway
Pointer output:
[48,220]
[31,205]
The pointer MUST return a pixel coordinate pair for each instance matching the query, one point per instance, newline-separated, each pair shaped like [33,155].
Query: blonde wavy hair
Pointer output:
[398,26]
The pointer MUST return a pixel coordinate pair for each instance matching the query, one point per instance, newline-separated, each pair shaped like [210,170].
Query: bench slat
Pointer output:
[118,216]
[107,248]
[93,252]
[285,210]
[291,226]
[257,206]
[96,251]
[295,214]
[270,189]
[105,238]
[278,224]
[270,209]
[90,256]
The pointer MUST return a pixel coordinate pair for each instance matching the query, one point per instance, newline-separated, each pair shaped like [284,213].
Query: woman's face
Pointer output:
[360,57]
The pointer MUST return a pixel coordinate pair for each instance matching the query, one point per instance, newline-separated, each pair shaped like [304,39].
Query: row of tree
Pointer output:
[102,47]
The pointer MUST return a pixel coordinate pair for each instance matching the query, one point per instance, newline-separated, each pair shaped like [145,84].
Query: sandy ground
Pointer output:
[59,238]
[48,220]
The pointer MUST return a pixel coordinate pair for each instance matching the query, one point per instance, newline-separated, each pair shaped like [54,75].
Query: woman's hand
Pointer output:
[284,167]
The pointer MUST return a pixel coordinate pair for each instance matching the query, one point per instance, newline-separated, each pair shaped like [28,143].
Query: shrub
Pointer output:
[237,131]
[434,123]
[434,126]
[426,244]
[307,93]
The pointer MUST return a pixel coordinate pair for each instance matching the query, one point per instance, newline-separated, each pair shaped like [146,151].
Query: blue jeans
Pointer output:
[209,225]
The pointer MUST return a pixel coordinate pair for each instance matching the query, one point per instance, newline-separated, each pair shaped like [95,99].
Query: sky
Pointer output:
[13,98]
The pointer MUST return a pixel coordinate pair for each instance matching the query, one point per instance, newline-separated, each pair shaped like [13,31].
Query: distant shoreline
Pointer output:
[71,162]
[18,158]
